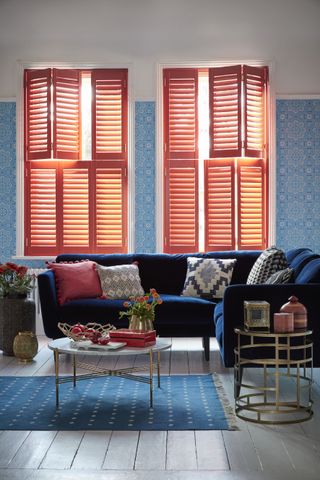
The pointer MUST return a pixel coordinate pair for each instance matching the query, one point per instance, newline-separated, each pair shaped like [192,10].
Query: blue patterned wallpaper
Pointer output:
[145,133]
[7,180]
[298,173]
[298,176]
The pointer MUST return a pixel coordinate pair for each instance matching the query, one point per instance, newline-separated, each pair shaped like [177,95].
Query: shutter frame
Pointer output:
[37,97]
[251,174]
[180,164]
[102,80]
[255,92]
[66,100]
[219,180]
[224,85]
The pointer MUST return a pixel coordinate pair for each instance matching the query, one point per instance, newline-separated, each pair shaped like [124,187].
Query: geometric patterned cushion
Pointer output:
[283,276]
[207,277]
[270,261]
[120,281]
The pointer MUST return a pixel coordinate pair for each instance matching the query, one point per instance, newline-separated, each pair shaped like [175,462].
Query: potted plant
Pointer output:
[17,310]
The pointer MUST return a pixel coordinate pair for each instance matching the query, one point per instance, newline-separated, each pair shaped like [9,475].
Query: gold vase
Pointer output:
[25,346]
[141,323]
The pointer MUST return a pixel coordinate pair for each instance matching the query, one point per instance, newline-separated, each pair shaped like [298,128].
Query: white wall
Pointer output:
[145,32]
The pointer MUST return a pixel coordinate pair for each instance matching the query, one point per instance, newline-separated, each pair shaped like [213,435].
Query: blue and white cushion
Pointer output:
[120,281]
[270,261]
[207,277]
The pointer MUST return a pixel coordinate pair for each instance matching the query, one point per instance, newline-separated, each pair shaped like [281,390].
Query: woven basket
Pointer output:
[66,329]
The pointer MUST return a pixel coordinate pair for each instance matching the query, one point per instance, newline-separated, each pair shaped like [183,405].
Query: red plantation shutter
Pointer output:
[66,124]
[75,206]
[219,204]
[110,214]
[225,111]
[252,201]
[37,114]
[40,208]
[109,114]
[180,97]
[255,116]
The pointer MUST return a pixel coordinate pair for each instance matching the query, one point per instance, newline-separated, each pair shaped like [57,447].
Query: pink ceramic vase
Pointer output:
[299,311]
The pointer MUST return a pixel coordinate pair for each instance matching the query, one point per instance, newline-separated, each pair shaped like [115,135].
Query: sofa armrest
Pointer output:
[49,303]
[276,295]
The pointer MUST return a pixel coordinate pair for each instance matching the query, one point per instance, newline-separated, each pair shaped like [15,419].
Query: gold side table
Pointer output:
[284,394]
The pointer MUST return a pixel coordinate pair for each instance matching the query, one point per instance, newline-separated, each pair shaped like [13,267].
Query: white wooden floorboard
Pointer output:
[33,449]
[10,442]
[210,450]
[241,452]
[62,450]
[181,451]
[152,449]
[92,450]
[122,450]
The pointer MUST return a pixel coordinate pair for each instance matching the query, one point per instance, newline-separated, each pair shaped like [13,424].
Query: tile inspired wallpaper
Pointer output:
[298,173]
[145,135]
[298,176]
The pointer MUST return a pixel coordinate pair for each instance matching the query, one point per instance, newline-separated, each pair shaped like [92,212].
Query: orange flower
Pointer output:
[153,291]
[126,304]
[159,301]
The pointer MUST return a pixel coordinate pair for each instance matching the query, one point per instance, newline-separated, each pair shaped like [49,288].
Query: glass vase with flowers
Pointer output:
[141,310]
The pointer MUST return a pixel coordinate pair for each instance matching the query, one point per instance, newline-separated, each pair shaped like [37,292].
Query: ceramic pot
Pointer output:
[300,319]
[141,323]
[16,315]
[25,346]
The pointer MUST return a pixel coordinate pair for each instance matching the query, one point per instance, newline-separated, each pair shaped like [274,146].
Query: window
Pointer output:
[215,150]
[76,130]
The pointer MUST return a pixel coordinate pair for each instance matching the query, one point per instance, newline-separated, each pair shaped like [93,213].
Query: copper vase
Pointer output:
[141,323]
[299,311]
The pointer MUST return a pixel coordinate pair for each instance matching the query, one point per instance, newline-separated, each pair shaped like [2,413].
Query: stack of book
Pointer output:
[133,338]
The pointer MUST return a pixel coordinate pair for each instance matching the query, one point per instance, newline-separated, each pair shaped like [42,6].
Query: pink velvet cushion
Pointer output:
[76,280]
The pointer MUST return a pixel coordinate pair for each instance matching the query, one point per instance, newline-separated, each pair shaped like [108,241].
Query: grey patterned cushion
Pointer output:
[120,281]
[207,277]
[270,261]
[283,276]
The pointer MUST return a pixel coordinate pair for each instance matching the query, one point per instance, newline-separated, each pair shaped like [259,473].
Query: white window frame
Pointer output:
[159,140]
[20,148]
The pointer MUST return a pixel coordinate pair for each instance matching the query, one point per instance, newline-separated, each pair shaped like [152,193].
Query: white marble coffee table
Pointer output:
[64,345]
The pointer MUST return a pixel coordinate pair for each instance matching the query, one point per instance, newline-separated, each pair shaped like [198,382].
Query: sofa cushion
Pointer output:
[310,272]
[207,277]
[176,312]
[270,261]
[76,280]
[282,276]
[291,254]
[299,262]
[120,281]
[245,260]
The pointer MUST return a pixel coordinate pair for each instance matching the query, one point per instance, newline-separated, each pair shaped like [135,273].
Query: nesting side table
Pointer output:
[284,393]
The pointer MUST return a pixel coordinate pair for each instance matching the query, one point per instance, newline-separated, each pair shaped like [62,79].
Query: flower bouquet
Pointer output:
[141,310]
[15,282]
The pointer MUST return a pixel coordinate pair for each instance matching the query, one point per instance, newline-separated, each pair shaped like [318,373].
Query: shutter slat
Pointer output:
[109,115]
[66,125]
[37,114]
[219,205]
[255,118]
[225,111]
[251,204]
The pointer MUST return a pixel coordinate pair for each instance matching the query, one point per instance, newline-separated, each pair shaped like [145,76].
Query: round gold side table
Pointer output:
[284,394]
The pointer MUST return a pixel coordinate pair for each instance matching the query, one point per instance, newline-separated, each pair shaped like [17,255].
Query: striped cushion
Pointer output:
[270,261]
[282,276]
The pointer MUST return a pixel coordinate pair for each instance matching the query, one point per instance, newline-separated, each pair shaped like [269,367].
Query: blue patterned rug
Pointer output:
[184,402]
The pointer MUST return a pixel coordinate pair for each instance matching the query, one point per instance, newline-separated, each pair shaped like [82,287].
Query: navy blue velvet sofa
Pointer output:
[187,316]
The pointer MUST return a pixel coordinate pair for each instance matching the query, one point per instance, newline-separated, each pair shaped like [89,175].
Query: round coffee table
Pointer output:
[65,345]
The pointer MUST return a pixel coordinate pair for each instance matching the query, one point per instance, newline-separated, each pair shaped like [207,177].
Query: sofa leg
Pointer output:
[206,346]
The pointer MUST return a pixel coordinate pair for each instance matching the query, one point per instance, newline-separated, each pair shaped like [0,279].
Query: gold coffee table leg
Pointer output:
[56,367]
[151,378]
[74,364]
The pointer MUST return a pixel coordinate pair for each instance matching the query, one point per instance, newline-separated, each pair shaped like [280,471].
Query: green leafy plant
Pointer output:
[14,280]
[142,306]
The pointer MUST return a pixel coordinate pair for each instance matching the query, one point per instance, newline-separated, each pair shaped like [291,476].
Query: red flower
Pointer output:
[12,266]
[22,270]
